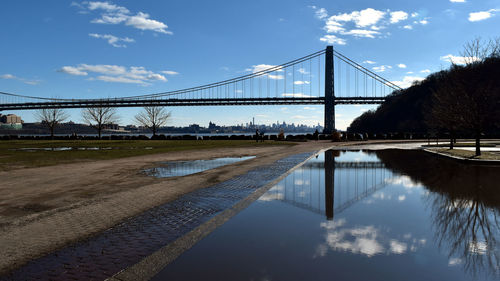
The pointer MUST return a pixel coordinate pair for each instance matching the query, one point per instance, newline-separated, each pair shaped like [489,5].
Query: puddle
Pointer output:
[184,168]
[384,215]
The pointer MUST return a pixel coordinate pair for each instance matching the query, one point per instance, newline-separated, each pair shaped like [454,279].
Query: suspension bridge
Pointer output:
[329,187]
[300,81]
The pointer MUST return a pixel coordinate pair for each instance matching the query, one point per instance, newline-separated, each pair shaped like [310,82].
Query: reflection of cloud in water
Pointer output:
[273,194]
[398,247]
[401,197]
[381,195]
[364,240]
[454,261]
[478,247]
[460,204]
[301,182]
[405,181]
[271,197]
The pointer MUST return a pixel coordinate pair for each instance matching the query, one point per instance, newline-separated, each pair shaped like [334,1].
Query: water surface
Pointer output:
[183,168]
[385,215]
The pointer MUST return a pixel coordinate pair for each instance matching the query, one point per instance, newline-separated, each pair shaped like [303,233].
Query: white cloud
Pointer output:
[321,13]
[401,197]
[381,68]
[118,79]
[408,81]
[398,16]
[332,39]
[409,27]
[295,95]
[402,65]
[115,73]
[361,18]
[263,67]
[365,23]
[114,14]
[169,72]
[141,21]
[302,71]
[369,62]
[108,7]
[478,16]
[275,77]
[8,76]
[333,27]
[301,82]
[458,59]
[457,1]
[425,71]
[24,80]
[113,40]
[361,33]
[73,71]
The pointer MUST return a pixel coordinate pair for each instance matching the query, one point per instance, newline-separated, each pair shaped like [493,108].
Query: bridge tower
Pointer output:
[330,182]
[329,92]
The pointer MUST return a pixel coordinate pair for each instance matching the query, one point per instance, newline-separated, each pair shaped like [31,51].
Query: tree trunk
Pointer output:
[52,132]
[99,131]
[478,144]
[452,140]
[154,131]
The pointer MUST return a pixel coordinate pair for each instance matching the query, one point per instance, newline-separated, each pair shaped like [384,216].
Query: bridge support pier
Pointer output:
[329,183]
[329,92]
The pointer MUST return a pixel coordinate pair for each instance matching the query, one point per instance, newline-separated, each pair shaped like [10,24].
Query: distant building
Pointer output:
[10,121]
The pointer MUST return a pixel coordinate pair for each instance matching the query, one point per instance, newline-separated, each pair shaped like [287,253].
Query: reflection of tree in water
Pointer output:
[470,228]
[465,202]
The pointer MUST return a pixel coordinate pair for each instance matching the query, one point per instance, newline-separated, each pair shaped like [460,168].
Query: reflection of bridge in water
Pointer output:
[329,187]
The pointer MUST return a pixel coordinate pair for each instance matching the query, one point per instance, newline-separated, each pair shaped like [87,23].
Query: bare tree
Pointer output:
[51,117]
[468,98]
[153,117]
[477,50]
[99,117]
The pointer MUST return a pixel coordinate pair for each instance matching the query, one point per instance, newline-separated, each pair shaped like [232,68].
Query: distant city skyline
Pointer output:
[99,49]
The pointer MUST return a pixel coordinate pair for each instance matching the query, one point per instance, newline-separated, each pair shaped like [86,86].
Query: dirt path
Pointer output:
[43,209]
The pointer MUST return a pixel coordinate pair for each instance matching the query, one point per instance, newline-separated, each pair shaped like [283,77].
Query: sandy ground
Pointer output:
[44,209]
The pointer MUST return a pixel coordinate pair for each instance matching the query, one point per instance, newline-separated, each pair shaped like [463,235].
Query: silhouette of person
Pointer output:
[257,135]
[316,134]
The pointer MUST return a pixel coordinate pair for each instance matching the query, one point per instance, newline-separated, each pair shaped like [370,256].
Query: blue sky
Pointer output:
[93,49]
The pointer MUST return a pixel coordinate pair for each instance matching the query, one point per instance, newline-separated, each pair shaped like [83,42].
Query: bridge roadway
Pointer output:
[123,102]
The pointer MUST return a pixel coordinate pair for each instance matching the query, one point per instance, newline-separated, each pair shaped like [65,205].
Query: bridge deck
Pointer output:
[186,102]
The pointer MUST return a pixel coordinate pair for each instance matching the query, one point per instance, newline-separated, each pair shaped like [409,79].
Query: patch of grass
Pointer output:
[485,155]
[12,158]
